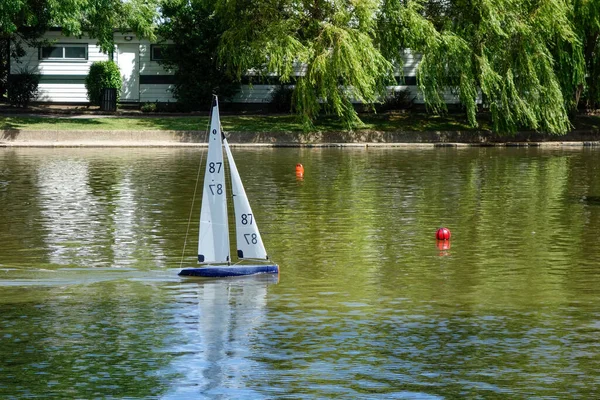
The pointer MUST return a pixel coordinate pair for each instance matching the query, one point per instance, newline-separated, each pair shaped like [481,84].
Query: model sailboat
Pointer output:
[213,243]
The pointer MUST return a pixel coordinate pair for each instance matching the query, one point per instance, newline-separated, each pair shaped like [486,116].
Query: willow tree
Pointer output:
[326,47]
[580,62]
[501,50]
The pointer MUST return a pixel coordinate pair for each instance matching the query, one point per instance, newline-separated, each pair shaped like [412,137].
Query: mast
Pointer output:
[213,240]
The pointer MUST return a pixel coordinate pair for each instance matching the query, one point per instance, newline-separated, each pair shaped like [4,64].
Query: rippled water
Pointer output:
[368,304]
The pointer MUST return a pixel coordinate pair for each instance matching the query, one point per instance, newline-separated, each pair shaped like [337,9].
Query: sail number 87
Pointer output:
[251,238]
[246,219]
[218,189]
[215,167]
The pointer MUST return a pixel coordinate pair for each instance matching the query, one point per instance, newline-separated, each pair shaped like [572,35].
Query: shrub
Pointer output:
[22,88]
[103,74]
[149,107]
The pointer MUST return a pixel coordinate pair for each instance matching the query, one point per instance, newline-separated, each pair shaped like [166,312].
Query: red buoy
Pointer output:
[443,234]
[299,170]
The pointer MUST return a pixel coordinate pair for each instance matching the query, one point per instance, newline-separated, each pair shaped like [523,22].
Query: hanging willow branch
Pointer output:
[343,67]
[522,60]
[331,40]
[501,48]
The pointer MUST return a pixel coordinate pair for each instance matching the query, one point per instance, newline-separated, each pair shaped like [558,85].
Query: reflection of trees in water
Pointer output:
[365,297]
[369,213]
[19,211]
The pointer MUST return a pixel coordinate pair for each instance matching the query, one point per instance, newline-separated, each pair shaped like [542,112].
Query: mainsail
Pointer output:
[213,243]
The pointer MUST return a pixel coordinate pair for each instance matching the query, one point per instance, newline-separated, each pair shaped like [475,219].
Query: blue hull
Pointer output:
[230,270]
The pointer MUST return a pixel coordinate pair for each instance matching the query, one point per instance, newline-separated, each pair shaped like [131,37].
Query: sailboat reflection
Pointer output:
[222,323]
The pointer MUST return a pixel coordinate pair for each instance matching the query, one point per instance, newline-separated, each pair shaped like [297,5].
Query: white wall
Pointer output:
[63,81]
[154,92]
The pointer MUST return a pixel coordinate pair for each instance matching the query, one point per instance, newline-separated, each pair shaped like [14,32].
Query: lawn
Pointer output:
[273,123]
[235,123]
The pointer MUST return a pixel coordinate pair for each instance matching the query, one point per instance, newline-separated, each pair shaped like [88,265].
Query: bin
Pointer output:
[109,99]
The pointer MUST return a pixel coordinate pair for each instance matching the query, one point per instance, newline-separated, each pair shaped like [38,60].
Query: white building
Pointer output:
[64,65]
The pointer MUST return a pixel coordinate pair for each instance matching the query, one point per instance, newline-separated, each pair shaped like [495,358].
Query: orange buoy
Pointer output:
[299,170]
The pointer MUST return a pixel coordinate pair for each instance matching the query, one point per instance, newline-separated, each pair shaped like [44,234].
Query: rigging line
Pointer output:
[195,191]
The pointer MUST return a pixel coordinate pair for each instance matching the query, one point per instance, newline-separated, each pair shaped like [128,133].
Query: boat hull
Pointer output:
[219,271]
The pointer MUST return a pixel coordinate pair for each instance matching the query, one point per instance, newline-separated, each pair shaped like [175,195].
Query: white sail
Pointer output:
[213,244]
[249,242]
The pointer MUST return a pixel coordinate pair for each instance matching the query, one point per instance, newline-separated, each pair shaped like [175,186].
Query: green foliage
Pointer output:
[29,19]
[102,74]
[24,22]
[579,63]
[149,107]
[502,49]
[194,31]
[529,63]
[22,88]
[333,39]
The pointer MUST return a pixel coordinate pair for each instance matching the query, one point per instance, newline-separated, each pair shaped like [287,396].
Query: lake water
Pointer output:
[367,305]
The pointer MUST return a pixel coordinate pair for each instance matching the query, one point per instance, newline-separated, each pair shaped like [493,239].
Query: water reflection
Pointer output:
[368,305]
[88,226]
[69,212]
[84,341]
[222,321]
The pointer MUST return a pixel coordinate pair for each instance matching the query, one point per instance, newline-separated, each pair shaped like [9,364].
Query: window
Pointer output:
[156,52]
[65,52]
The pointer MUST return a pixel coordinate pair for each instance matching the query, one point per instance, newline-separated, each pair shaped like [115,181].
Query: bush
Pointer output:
[103,74]
[149,107]
[163,107]
[22,88]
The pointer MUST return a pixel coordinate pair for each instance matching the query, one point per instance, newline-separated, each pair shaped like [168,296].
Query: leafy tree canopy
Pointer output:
[579,62]
[530,62]
[193,32]
[334,40]
[525,59]
[29,19]
[499,49]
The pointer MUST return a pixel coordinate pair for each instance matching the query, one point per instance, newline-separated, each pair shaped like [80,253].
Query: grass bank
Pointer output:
[419,122]
[274,123]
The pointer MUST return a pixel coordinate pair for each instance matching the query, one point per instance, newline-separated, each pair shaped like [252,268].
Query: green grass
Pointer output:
[108,124]
[241,123]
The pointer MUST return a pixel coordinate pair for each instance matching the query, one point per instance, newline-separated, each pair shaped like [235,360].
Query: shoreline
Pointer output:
[170,138]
